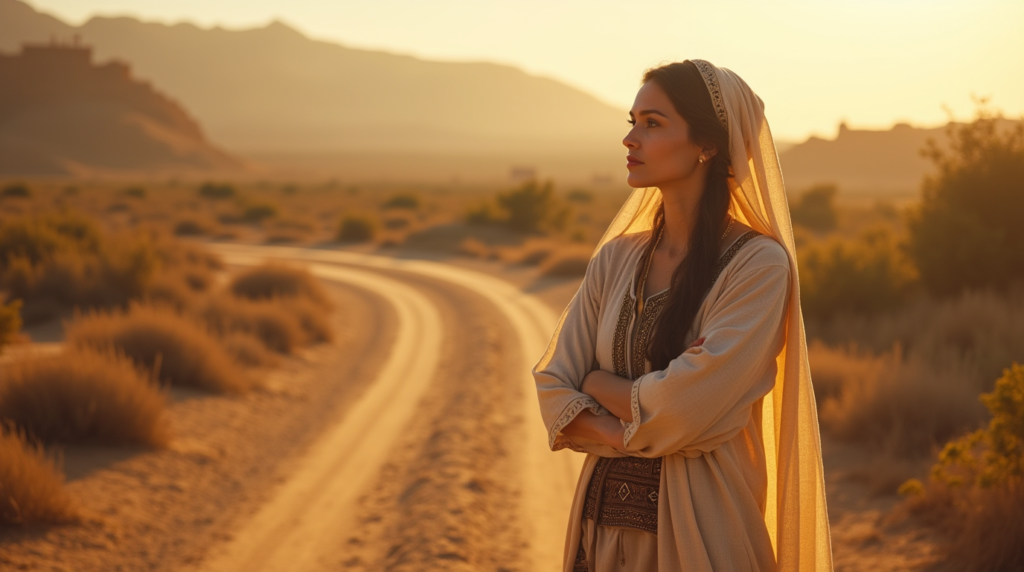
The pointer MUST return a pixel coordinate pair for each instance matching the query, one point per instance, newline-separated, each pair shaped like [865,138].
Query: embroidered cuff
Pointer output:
[634,407]
[568,414]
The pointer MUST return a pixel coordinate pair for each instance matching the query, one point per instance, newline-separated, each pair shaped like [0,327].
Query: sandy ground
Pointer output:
[448,491]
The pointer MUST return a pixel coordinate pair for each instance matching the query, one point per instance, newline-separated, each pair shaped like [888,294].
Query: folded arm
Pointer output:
[704,397]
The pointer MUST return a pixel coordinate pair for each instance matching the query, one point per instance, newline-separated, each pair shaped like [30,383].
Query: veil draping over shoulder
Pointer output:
[795,510]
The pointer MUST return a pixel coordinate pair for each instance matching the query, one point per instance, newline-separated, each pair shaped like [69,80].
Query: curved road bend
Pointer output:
[289,532]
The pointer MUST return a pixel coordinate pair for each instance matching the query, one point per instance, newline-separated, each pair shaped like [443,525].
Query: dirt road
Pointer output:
[349,499]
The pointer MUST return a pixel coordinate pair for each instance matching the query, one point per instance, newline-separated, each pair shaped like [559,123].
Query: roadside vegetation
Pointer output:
[143,314]
[913,316]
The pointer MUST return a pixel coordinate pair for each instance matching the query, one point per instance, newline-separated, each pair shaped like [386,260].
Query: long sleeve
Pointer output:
[569,357]
[704,397]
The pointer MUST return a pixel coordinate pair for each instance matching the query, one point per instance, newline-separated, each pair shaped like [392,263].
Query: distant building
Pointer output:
[61,113]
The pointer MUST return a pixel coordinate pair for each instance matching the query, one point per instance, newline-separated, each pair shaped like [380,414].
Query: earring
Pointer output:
[700,159]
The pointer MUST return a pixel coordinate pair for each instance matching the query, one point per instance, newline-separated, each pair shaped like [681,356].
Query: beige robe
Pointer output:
[702,413]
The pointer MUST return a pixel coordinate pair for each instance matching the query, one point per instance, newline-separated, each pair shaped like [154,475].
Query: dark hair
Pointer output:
[685,87]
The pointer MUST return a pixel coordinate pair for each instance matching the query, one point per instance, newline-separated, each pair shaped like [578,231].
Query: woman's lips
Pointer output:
[632,161]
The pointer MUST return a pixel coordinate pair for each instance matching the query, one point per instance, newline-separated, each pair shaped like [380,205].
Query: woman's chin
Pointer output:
[635,181]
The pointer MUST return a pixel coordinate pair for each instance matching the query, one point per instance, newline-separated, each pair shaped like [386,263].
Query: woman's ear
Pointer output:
[710,151]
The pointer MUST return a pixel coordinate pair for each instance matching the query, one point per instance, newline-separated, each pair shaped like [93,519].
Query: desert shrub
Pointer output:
[580,196]
[402,201]
[535,256]
[180,350]
[566,265]
[901,404]
[474,247]
[84,395]
[984,329]
[355,229]
[19,190]
[964,235]
[815,208]
[170,290]
[832,369]
[32,485]
[533,207]
[216,191]
[258,212]
[271,323]
[10,322]
[483,214]
[248,350]
[65,259]
[135,192]
[191,227]
[311,317]
[395,223]
[273,279]
[866,275]
[976,491]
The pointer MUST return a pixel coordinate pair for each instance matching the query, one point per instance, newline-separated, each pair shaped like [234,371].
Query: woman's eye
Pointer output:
[631,121]
[652,123]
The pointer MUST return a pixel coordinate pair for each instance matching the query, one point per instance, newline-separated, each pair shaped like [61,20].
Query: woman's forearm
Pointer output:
[604,429]
[611,391]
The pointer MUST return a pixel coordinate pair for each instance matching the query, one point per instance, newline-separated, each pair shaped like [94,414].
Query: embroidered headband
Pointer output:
[711,80]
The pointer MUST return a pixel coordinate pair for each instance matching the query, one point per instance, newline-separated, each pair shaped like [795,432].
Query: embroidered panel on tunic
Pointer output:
[623,491]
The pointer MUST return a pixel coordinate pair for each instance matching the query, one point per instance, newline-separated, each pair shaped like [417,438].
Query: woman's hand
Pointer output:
[604,429]
[614,393]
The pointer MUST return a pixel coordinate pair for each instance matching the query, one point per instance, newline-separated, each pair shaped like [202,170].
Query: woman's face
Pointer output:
[660,149]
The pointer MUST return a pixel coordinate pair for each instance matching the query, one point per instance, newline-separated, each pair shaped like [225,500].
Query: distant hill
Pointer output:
[62,115]
[862,161]
[272,89]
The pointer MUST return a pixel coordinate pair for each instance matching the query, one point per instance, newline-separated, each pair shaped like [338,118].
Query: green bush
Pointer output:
[355,229]
[964,235]
[867,275]
[216,191]
[815,209]
[994,454]
[976,493]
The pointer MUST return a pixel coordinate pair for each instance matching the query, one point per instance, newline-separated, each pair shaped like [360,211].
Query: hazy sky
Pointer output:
[813,62]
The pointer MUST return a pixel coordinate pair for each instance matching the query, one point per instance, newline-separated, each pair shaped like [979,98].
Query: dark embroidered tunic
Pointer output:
[623,491]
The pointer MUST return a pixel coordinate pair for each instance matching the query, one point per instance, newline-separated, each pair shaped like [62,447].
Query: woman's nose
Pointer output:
[628,140]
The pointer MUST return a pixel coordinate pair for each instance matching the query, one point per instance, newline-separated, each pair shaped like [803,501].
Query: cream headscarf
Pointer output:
[795,512]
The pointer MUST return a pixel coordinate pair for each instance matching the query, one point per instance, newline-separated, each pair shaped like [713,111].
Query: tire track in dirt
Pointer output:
[541,483]
[448,497]
[297,526]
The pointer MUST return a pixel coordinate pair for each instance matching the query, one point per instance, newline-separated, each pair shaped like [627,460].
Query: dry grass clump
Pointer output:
[311,317]
[474,248]
[248,350]
[59,261]
[181,350]
[901,404]
[31,485]
[984,328]
[572,264]
[84,395]
[172,290]
[271,323]
[275,280]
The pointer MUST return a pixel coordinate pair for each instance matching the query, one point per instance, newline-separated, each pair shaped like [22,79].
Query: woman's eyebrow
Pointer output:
[649,112]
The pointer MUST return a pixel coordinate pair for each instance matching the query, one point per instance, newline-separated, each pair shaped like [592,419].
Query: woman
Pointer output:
[680,365]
